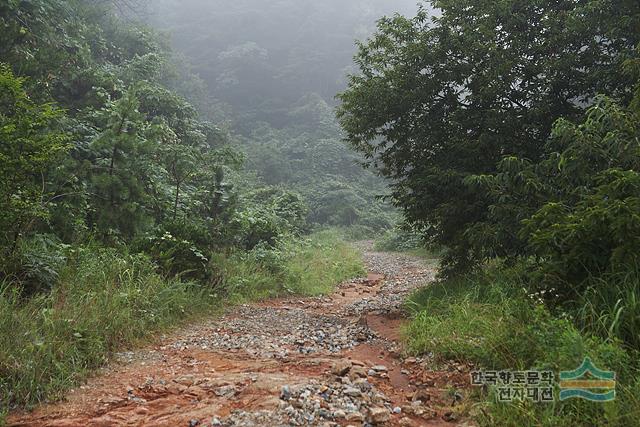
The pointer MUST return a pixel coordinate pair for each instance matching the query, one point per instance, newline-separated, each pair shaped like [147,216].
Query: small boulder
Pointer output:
[354,416]
[341,368]
[379,415]
[352,391]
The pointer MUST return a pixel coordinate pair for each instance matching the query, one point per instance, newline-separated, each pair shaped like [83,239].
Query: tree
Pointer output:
[122,157]
[31,143]
[440,100]
[589,223]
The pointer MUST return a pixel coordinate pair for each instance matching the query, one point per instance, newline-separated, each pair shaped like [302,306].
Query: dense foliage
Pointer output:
[96,145]
[32,143]
[579,204]
[440,100]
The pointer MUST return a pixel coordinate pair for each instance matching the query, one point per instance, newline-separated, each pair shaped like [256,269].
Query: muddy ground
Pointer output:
[327,361]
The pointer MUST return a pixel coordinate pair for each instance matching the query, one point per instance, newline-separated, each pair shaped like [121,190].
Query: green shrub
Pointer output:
[258,224]
[32,145]
[36,263]
[175,256]
[577,209]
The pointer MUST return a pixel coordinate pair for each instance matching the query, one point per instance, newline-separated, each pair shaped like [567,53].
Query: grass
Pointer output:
[610,307]
[321,263]
[399,240]
[312,266]
[105,301]
[489,319]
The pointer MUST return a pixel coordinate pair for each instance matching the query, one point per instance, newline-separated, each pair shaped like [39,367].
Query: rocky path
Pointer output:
[326,361]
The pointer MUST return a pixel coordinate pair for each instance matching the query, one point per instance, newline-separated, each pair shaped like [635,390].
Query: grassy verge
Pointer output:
[309,267]
[399,240]
[489,319]
[105,301]
[102,302]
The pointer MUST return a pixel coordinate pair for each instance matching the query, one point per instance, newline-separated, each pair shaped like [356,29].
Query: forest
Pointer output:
[163,162]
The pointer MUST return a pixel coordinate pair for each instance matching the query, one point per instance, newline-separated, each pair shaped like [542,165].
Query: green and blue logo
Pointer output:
[588,382]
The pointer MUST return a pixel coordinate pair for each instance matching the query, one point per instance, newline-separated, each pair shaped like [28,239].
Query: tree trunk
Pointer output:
[175,203]
[111,193]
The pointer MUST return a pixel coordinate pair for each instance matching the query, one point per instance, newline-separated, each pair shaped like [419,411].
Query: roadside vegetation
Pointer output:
[310,266]
[492,319]
[524,165]
[105,300]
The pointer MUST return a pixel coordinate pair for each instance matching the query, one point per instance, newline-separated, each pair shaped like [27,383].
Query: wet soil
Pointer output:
[328,361]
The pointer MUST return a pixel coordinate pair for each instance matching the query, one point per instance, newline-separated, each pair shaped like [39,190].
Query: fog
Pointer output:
[270,71]
[258,57]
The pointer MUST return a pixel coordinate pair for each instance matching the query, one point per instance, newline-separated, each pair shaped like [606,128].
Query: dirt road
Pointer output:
[326,361]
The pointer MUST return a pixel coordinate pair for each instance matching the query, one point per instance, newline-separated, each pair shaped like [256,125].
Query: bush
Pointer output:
[36,263]
[32,145]
[175,256]
[577,210]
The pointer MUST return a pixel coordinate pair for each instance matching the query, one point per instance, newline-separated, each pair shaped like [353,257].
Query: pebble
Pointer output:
[285,393]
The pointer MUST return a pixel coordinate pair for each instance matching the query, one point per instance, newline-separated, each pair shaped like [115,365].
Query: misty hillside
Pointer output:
[261,57]
[272,70]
